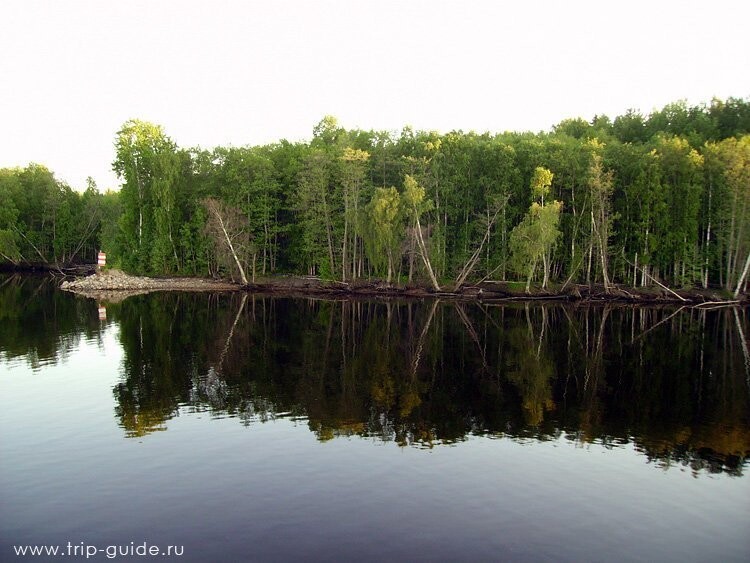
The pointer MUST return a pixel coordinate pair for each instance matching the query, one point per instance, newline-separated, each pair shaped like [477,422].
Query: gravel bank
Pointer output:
[115,280]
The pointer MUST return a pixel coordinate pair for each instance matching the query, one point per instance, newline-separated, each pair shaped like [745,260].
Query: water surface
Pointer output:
[253,428]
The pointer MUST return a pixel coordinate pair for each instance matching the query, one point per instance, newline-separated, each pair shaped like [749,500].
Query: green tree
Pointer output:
[681,179]
[247,181]
[9,238]
[638,203]
[385,230]
[734,155]
[600,194]
[87,226]
[630,128]
[146,163]
[109,239]
[314,214]
[228,229]
[416,204]
[353,174]
[533,239]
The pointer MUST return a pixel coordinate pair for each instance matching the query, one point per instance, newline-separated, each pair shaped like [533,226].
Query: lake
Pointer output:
[238,427]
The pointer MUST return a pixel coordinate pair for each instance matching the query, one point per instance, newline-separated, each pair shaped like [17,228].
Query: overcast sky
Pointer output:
[218,72]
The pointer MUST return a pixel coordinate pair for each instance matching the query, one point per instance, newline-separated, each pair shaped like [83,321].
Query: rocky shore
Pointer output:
[114,285]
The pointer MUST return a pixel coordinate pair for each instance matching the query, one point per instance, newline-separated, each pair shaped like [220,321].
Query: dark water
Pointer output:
[246,428]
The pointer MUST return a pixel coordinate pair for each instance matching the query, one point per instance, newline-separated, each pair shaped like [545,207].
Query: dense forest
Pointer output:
[635,200]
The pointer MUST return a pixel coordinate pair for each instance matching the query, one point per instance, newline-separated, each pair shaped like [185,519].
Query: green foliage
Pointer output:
[385,229]
[9,242]
[109,235]
[147,164]
[314,214]
[414,197]
[680,168]
[577,128]
[646,196]
[733,159]
[540,183]
[42,220]
[535,236]
[532,240]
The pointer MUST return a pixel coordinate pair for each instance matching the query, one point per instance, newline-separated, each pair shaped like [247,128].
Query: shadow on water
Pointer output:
[673,383]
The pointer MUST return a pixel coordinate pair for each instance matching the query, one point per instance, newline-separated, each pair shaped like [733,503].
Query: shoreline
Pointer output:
[116,285]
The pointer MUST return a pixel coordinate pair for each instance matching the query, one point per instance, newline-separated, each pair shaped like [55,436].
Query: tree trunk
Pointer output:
[743,276]
[474,258]
[531,275]
[228,240]
[140,204]
[425,257]
[730,250]
[346,242]
[706,248]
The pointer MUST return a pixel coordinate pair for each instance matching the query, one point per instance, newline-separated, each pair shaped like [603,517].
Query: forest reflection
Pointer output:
[41,324]
[673,382]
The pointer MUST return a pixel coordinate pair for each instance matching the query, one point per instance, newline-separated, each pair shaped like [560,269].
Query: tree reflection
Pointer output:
[41,324]
[531,371]
[672,382]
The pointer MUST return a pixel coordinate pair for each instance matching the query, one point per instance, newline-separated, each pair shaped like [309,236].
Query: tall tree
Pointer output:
[353,172]
[9,238]
[533,239]
[681,171]
[227,228]
[247,180]
[385,230]
[734,155]
[145,163]
[600,190]
[416,205]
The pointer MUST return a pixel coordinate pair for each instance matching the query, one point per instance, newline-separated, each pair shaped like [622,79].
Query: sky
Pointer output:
[220,72]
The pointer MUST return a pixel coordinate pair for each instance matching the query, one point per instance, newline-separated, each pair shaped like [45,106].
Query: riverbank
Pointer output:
[494,291]
[112,284]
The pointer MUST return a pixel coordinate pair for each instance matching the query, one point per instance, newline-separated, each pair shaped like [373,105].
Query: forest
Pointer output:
[637,200]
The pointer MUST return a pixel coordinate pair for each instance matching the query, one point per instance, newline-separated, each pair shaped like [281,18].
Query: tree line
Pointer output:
[43,221]
[636,200]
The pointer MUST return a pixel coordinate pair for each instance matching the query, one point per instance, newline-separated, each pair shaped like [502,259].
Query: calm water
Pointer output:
[247,428]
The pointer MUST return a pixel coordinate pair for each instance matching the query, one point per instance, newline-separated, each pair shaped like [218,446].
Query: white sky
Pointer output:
[217,72]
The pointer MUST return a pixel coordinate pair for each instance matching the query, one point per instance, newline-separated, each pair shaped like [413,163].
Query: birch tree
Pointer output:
[735,156]
[353,175]
[600,194]
[228,229]
[313,207]
[385,228]
[533,239]
[416,205]
[144,162]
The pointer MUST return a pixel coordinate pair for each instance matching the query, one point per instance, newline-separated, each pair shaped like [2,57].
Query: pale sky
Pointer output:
[218,72]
